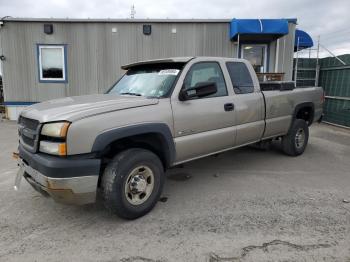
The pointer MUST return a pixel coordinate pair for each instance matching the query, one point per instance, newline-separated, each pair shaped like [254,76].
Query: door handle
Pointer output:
[229,107]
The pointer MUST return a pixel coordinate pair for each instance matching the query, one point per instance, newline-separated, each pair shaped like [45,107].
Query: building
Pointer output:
[44,59]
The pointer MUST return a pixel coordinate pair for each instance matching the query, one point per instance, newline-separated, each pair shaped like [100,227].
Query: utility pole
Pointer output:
[296,64]
[317,61]
[132,12]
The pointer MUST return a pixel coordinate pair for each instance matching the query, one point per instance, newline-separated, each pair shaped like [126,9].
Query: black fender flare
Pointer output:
[162,129]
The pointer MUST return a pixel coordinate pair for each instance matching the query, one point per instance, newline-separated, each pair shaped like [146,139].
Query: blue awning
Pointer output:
[305,40]
[269,28]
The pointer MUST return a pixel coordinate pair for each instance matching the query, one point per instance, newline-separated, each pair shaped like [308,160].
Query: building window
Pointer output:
[52,63]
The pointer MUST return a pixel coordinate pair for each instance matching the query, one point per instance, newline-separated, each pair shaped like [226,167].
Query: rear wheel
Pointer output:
[132,183]
[295,142]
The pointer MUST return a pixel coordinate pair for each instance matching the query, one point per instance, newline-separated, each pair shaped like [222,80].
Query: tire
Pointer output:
[129,172]
[295,142]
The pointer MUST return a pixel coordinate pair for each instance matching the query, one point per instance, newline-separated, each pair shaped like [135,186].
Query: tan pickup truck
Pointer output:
[161,113]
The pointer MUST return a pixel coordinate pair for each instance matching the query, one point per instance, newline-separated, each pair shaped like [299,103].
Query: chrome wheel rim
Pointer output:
[139,185]
[300,138]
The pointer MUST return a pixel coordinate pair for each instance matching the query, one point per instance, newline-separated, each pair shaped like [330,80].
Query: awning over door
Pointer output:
[305,40]
[248,29]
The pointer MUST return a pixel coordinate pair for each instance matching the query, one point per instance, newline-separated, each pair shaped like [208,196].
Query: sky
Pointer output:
[329,19]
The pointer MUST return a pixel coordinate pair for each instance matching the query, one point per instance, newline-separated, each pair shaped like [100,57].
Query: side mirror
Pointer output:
[201,89]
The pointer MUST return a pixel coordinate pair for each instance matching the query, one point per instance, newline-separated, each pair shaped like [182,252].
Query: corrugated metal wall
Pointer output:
[95,53]
[286,53]
[334,77]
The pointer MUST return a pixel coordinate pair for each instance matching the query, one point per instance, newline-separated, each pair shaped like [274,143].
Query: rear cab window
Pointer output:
[241,79]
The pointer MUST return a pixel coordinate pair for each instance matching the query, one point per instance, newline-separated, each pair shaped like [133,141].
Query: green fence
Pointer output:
[306,71]
[334,77]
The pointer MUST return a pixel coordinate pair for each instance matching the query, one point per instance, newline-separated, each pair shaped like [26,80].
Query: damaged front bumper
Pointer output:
[69,181]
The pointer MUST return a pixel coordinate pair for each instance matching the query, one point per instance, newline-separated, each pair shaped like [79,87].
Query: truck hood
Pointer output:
[77,107]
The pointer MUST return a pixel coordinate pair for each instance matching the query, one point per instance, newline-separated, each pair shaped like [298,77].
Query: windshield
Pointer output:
[149,81]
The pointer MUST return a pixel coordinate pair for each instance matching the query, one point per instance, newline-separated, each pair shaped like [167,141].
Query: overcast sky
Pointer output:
[328,18]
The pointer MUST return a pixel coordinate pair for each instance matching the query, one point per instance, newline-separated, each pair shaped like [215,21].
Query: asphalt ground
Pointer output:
[243,205]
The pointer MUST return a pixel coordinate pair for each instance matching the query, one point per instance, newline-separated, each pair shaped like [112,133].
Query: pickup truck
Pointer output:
[160,114]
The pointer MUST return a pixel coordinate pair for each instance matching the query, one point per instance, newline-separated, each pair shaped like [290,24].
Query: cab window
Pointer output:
[206,72]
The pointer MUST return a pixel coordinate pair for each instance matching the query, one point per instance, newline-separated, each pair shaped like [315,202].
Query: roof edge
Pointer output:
[125,20]
[113,20]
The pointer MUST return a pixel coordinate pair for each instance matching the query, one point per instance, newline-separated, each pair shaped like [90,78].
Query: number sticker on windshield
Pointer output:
[173,72]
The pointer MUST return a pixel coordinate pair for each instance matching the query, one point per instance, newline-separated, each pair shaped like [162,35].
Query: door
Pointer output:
[249,103]
[203,125]
[256,55]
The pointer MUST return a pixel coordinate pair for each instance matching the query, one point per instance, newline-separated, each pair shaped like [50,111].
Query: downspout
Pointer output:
[238,46]
[284,52]
[277,55]
[296,64]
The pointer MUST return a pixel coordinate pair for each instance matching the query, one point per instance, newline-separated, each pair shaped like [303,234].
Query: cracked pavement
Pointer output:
[243,205]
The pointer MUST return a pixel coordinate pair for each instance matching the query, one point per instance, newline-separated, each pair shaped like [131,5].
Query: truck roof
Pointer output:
[183,59]
[159,61]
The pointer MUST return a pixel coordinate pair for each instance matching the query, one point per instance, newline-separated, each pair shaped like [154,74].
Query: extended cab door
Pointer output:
[248,101]
[202,125]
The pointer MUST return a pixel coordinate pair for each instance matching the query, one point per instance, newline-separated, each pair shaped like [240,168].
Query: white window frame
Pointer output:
[43,79]
[265,53]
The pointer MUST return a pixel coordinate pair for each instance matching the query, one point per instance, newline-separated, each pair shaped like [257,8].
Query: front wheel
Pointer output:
[295,142]
[132,183]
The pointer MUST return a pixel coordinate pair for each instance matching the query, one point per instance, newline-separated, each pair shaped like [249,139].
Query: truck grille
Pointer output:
[28,131]
[28,123]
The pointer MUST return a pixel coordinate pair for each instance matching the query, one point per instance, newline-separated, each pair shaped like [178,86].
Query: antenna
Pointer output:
[132,12]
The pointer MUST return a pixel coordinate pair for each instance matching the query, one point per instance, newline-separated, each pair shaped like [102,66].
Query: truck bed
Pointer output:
[280,106]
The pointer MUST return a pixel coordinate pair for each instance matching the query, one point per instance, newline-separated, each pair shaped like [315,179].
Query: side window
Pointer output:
[206,72]
[52,63]
[240,77]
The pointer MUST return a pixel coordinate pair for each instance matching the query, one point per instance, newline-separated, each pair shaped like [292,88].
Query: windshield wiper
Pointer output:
[131,94]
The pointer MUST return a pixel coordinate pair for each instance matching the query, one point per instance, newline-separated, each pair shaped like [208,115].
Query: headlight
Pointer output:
[54,138]
[53,148]
[58,129]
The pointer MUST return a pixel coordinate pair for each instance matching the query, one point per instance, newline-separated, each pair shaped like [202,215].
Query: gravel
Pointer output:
[243,205]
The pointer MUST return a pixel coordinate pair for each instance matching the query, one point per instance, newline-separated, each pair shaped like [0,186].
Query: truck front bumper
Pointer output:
[70,181]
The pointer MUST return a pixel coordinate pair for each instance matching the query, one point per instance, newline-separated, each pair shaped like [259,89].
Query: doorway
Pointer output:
[256,55]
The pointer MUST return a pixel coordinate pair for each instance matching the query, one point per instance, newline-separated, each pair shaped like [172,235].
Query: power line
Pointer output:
[336,32]
[335,36]
[335,39]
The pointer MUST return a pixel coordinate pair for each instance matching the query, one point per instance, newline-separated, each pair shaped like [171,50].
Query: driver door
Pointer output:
[203,125]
